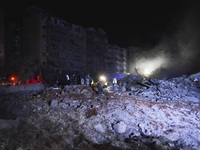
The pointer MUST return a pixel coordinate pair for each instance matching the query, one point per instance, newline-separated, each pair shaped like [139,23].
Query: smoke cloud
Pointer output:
[175,54]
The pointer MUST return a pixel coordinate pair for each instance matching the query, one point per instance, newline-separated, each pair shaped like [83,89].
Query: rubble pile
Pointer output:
[180,88]
[75,117]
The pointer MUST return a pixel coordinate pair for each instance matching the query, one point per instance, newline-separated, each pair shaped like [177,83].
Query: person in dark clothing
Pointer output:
[73,79]
[78,79]
[114,84]
[82,79]
[68,79]
[99,87]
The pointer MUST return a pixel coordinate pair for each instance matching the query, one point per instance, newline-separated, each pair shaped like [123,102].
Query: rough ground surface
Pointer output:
[75,117]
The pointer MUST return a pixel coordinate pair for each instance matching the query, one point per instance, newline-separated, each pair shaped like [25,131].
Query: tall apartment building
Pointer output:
[66,45]
[1,37]
[61,47]
[116,61]
[13,45]
[35,34]
[96,51]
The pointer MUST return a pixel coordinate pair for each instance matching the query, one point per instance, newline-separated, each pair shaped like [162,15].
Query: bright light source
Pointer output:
[102,78]
[12,78]
[147,72]
[147,67]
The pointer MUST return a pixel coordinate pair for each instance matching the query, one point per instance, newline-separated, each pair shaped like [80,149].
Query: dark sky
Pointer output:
[170,26]
[126,23]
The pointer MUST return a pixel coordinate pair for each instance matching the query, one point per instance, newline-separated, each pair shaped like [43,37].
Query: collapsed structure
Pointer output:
[147,114]
[179,88]
[142,114]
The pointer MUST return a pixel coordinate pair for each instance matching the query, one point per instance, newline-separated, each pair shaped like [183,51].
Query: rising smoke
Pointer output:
[176,54]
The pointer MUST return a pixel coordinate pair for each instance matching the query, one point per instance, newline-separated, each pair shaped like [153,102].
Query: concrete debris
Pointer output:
[182,88]
[54,103]
[120,127]
[148,114]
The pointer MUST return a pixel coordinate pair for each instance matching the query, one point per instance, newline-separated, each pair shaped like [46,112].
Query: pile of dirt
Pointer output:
[75,117]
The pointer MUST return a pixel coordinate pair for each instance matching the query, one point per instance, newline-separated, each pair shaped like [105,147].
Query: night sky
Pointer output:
[137,23]
[171,25]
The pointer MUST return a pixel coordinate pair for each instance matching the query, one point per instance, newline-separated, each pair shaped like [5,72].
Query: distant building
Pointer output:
[65,46]
[60,47]
[13,45]
[116,61]
[96,51]
[2,37]
[35,34]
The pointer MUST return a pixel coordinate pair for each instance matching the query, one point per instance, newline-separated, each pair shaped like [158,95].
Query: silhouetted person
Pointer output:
[73,80]
[99,87]
[88,79]
[114,84]
[82,79]
[68,79]
[78,79]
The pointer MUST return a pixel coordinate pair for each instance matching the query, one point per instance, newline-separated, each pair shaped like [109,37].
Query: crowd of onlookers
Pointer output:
[79,79]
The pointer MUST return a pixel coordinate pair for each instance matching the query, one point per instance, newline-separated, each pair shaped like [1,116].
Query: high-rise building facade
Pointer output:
[116,62]
[1,37]
[34,34]
[96,51]
[13,45]
[61,48]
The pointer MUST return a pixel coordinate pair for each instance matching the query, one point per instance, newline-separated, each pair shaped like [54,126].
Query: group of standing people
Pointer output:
[78,79]
[87,80]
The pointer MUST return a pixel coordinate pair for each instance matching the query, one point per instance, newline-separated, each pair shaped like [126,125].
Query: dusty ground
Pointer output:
[75,117]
